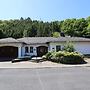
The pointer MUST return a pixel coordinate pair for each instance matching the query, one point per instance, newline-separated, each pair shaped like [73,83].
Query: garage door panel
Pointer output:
[8,52]
[83,48]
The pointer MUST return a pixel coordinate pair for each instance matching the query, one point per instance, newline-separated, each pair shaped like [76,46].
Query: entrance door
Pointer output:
[8,52]
[41,50]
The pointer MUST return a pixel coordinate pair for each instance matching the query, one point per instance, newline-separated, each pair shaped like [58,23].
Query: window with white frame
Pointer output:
[31,49]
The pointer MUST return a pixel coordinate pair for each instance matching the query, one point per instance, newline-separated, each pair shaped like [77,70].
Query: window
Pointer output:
[31,49]
[58,48]
[26,50]
[53,49]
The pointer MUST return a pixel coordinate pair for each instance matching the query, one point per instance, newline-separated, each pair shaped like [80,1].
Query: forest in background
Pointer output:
[25,27]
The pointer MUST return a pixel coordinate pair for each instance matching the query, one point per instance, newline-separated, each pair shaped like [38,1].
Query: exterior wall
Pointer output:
[52,46]
[82,47]
[34,49]
[11,44]
[21,48]
[31,54]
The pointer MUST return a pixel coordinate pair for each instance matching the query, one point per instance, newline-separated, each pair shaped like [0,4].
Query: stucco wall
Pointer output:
[34,49]
[82,47]
[11,44]
[52,46]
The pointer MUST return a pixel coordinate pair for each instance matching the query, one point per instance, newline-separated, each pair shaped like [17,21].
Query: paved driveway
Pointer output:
[45,64]
[75,78]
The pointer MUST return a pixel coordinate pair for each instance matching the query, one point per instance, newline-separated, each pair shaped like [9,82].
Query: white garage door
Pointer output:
[82,47]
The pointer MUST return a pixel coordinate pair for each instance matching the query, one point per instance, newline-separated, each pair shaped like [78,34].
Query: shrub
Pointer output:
[44,57]
[48,55]
[56,34]
[65,57]
[69,47]
[59,54]
[72,58]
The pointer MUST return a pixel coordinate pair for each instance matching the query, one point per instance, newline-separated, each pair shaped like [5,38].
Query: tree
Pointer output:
[1,34]
[56,34]
[27,32]
[40,29]
[68,27]
[87,32]
[19,28]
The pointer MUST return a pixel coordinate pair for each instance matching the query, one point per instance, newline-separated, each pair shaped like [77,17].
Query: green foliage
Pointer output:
[59,54]
[65,57]
[88,30]
[72,58]
[69,47]
[31,28]
[1,34]
[48,55]
[44,57]
[56,34]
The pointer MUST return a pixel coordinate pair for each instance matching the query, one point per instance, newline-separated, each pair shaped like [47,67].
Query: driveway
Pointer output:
[75,78]
[45,64]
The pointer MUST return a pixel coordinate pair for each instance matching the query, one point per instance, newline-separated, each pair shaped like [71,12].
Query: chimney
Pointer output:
[62,34]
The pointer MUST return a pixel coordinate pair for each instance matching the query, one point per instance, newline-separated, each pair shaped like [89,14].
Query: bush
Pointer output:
[65,57]
[59,54]
[44,57]
[48,55]
[69,47]
[72,58]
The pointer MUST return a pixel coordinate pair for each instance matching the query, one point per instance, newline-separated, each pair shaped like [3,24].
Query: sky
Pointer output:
[46,10]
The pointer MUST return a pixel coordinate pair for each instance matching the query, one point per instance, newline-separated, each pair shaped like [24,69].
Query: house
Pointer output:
[38,46]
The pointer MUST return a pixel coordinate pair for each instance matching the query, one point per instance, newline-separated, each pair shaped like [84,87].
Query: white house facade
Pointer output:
[38,46]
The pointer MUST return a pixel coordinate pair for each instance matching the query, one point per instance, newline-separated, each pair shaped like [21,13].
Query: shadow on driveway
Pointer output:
[6,59]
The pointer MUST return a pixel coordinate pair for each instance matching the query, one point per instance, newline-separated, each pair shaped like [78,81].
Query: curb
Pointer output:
[17,67]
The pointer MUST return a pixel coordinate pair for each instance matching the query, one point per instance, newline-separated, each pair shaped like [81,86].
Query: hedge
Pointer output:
[65,57]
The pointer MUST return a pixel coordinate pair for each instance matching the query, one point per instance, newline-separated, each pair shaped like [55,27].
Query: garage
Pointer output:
[8,52]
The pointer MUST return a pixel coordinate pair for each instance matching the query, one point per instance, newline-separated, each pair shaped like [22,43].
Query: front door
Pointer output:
[41,50]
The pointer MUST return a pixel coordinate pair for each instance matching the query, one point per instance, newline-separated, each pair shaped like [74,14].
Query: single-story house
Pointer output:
[38,46]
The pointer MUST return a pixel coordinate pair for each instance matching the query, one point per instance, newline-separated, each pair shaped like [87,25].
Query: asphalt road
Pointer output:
[76,78]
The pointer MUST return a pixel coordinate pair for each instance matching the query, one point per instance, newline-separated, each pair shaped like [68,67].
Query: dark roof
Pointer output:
[9,40]
[42,40]
[38,40]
